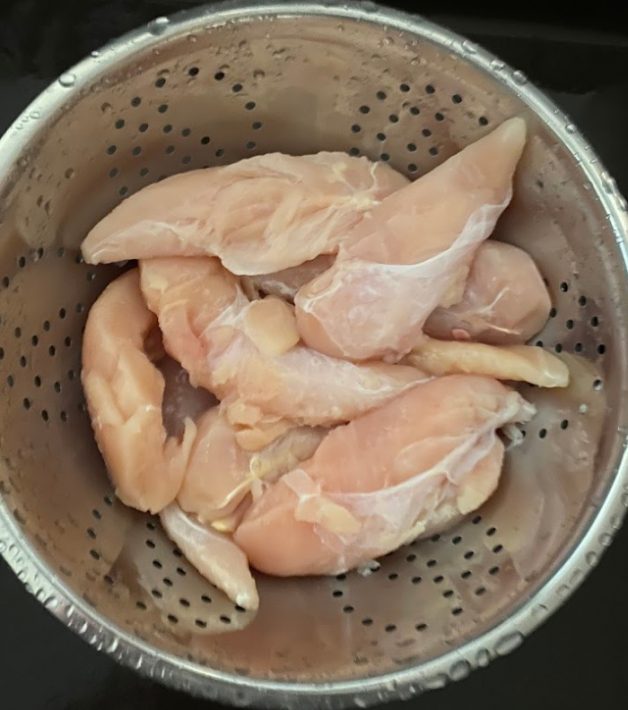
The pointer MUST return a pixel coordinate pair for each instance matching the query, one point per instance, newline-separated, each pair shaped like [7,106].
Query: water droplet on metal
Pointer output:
[106,108]
[95,54]
[609,184]
[113,645]
[35,115]
[576,578]
[540,611]
[591,559]
[259,74]
[436,681]
[158,26]
[563,591]
[497,65]
[51,602]
[519,77]
[3,547]
[583,408]
[570,128]
[192,38]
[508,643]
[67,79]
[605,539]
[459,670]
[369,6]
[469,47]
[483,658]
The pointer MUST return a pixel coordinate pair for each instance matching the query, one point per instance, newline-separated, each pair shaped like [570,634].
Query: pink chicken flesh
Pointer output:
[221,473]
[412,466]
[259,215]
[505,301]
[124,392]
[245,352]
[213,554]
[410,254]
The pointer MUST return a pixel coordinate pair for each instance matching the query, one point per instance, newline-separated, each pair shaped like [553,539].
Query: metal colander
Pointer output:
[209,88]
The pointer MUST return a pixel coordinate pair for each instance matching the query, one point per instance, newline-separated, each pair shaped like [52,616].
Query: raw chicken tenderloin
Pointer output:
[220,473]
[410,254]
[505,301]
[248,352]
[213,554]
[413,466]
[124,393]
[258,215]
[517,363]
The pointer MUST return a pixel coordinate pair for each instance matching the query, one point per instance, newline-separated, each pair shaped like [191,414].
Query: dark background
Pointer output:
[579,659]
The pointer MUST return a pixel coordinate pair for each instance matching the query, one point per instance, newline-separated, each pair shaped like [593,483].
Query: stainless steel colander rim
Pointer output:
[453,665]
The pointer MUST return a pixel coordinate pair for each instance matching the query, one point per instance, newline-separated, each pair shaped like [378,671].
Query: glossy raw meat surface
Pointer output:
[505,301]
[411,253]
[259,215]
[124,392]
[412,466]
[242,353]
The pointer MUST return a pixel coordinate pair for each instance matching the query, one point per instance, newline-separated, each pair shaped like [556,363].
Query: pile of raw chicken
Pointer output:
[354,328]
